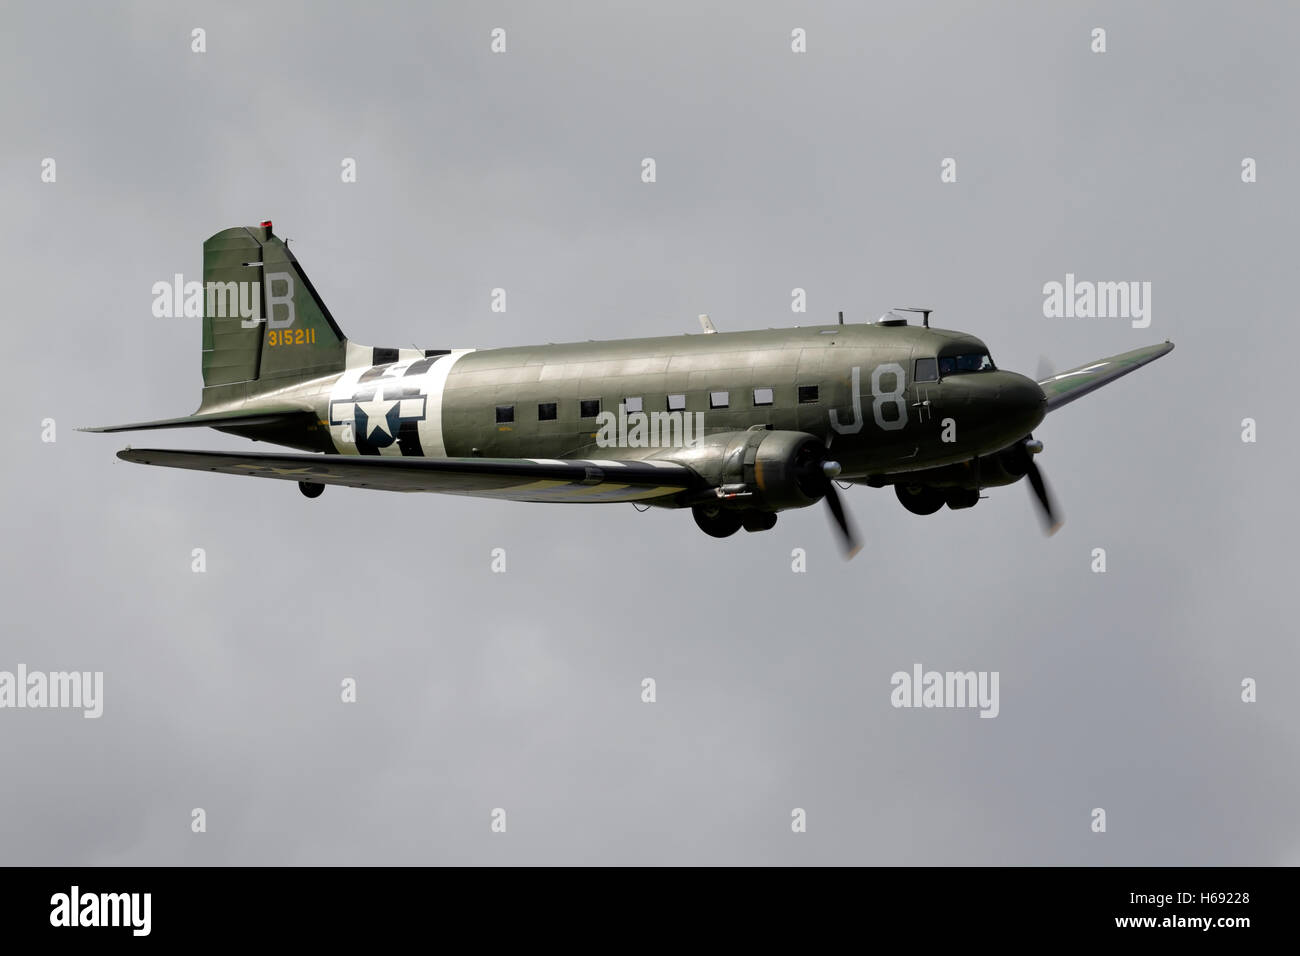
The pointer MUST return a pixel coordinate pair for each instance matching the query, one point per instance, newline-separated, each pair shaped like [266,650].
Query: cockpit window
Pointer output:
[969,362]
[926,370]
[974,362]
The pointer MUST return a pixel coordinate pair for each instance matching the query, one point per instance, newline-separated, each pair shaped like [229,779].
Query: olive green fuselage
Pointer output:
[895,424]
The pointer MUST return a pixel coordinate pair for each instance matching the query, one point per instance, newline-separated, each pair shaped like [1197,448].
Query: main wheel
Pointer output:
[754,520]
[312,489]
[722,523]
[920,499]
[959,498]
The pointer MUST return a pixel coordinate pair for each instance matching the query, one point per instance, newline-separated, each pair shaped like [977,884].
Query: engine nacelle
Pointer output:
[786,471]
[769,470]
[1004,467]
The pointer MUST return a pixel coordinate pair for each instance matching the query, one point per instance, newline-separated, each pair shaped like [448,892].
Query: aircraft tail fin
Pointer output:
[264,324]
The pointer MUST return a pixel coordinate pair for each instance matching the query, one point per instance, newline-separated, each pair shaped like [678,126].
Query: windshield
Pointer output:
[968,362]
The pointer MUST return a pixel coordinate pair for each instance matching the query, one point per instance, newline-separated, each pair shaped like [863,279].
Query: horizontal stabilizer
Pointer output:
[258,416]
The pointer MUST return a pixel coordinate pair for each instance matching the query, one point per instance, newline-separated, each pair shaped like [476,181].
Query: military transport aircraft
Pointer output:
[736,426]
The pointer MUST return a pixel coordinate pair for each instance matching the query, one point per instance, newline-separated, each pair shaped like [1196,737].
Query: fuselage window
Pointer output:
[927,370]
[633,404]
[807,394]
[718,400]
[589,407]
[546,411]
[676,403]
[762,396]
[505,414]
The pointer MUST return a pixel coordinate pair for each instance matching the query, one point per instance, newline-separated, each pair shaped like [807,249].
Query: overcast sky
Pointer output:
[522,690]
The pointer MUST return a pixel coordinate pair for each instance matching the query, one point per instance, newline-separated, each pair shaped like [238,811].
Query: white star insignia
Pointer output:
[376,411]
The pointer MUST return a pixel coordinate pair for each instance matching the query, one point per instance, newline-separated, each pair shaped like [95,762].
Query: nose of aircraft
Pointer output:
[1020,399]
[1009,405]
[1004,400]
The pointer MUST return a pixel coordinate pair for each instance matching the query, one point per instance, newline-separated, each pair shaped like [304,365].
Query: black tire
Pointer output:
[959,498]
[312,489]
[920,499]
[753,520]
[723,523]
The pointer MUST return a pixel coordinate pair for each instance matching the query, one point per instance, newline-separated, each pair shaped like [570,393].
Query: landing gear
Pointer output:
[959,498]
[719,523]
[758,520]
[920,499]
[312,489]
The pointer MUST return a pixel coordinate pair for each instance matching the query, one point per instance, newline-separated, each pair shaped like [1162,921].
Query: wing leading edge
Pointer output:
[515,479]
[1077,382]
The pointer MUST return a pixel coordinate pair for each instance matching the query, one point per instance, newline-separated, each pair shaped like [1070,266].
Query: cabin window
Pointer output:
[589,407]
[927,370]
[546,411]
[677,403]
[633,404]
[807,394]
[718,400]
[762,396]
[505,414]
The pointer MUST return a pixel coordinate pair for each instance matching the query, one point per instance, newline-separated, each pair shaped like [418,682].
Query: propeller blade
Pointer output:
[848,536]
[1051,523]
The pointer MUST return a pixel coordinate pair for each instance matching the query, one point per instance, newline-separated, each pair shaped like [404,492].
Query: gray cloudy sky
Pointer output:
[522,691]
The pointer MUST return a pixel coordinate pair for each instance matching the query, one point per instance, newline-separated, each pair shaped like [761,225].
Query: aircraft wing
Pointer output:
[1077,382]
[516,479]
